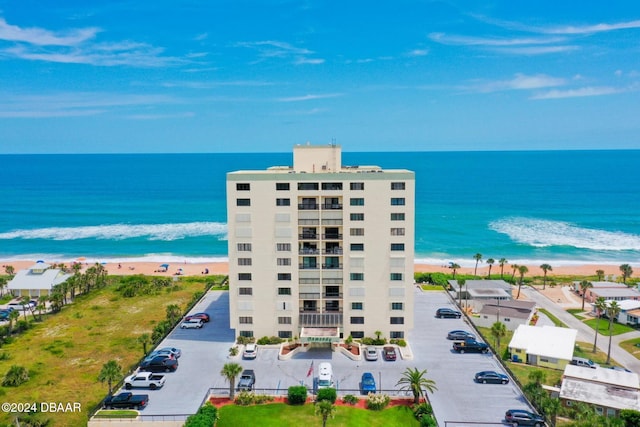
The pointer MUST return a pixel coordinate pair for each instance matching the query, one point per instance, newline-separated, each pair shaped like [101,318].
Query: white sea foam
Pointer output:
[545,233]
[166,232]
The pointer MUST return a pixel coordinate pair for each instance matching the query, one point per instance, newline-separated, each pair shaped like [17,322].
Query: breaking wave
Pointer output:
[545,233]
[165,232]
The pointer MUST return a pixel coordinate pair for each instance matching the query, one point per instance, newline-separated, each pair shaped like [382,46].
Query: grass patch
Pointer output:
[521,371]
[632,347]
[585,349]
[279,414]
[553,318]
[603,327]
[425,287]
[114,413]
[575,312]
[65,352]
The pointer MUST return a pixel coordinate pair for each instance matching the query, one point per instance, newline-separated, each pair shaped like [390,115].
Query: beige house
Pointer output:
[320,250]
[546,346]
[36,281]
[512,313]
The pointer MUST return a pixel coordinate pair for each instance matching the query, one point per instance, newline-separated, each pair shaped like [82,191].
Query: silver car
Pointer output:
[192,324]
[371,353]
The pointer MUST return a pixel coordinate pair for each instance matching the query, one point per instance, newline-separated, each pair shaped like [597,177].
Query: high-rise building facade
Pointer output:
[320,251]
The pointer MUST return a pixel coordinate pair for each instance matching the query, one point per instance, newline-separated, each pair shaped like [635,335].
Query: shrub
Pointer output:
[428,421]
[245,340]
[262,398]
[270,340]
[421,410]
[350,399]
[245,398]
[399,342]
[377,402]
[15,376]
[207,415]
[327,394]
[233,351]
[297,395]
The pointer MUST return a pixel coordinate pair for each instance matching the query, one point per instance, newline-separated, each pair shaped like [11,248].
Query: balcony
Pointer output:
[308,236]
[331,206]
[333,251]
[308,206]
[308,251]
[309,295]
[329,295]
[332,266]
[325,319]
[332,236]
[308,266]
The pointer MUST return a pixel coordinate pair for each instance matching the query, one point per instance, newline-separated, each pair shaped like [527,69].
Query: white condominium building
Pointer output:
[320,250]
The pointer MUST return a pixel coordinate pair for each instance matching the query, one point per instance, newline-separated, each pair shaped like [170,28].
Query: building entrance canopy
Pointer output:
[320,335]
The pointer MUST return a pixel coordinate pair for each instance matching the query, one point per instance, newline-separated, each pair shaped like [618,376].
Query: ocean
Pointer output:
[530,207]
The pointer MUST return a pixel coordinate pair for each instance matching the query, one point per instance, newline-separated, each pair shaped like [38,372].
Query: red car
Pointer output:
[389,353]
[202,316]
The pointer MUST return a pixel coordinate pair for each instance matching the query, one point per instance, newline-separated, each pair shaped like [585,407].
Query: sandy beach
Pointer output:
[188,268]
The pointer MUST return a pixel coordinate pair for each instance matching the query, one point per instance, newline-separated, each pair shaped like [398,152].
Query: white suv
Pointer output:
[250,351]
[192,324]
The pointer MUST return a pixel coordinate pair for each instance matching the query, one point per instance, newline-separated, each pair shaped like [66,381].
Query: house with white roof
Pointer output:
[607,290]
[512,313]
[545,346]
[608,391]
[36,281]
[629,312]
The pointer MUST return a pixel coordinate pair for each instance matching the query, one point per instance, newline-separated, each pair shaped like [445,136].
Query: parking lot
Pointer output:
[458,398]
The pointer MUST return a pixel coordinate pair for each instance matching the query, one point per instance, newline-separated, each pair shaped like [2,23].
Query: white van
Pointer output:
[325,375]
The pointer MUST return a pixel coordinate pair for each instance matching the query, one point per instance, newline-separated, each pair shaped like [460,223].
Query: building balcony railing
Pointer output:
[309,251]
[332,266]
[309,310]
[308,207]
[308,236]
[332,295]
[308,267]
[332,251]
[309,295]
[332,236]
[331,206]
[325,319]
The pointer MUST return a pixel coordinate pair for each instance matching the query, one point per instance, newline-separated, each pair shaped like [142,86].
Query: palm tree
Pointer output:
[522,269]
[25,305]
[13,316]
[461,283]
[42,304]
[545,268]
[627,271]
[326,410]
[600,306]
[498,330]
[600,274]
[551,408]
[612,312]
[3,284]
[144,339]
[514,267]
[173,313]
[414,380]
[110,373]
[478,258]
[501,263]
[10,270]
[584,285]
[490,261]
[454,267]
[230,371]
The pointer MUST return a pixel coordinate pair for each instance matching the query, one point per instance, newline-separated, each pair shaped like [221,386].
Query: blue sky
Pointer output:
[233,76]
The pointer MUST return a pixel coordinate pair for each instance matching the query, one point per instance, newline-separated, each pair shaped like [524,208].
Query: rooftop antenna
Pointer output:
[333,142]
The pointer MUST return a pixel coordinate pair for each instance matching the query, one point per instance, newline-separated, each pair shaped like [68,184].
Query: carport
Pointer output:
[320,337]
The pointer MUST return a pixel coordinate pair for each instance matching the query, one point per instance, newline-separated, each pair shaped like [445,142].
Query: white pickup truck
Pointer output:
[144,380]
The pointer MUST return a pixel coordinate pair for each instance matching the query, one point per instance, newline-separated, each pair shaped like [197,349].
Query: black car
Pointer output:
[460,335]
[493,377]
[520,417]
[159,364]
[448,313]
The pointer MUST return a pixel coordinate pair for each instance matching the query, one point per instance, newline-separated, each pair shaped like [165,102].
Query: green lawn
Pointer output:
[553,318]
[280,414]
[431,287]
[632,346]
[603,327]
[575,312]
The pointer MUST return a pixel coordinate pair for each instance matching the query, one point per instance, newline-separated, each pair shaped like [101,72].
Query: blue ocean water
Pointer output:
[559,207]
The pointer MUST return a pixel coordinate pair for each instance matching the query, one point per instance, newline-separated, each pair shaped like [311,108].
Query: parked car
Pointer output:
[202,316]
[144,379]
[460,335]
[250,351]
[368,383]
[619,368]
[159,356]
[389,353]
[159,364]
[126,400]
[585,363]
[247,380]
[492,377]
[448,313]
[325,375]
[175,352]
[371,353]
[521,417]
[192,324]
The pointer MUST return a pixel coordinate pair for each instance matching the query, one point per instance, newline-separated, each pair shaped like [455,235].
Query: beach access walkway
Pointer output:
[586,333]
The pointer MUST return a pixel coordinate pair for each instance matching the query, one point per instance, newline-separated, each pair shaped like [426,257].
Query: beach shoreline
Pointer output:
[220,266]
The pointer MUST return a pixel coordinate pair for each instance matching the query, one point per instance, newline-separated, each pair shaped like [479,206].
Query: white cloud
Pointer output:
[418,52]
[492,41]
[574,93]
[590,29]
[269,49]
[535,50]
[519,82]
[42,37]
[309,97]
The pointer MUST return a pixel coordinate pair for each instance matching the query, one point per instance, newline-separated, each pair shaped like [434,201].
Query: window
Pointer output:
[245,291]
[284,320]
[241,186]
[357,246]
[283,261]
[396,335]
[332,186]
[285,334]
[397,306]
[396,320]
[283,247]
[284,276]
[356,306]
[244,247]
[356,217]
[397,246]
[356,276]
[357,334]
[284,291]
[395,276]
[357,185]
[356,231]
[397,231]
[397,201]
[243,202]
[283,202]
[307,186]
[356,201]
[246,334]
[356,320]
[244,261]
[397,185]
[397,217]
[244,276]
[282,186]
[246,320]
